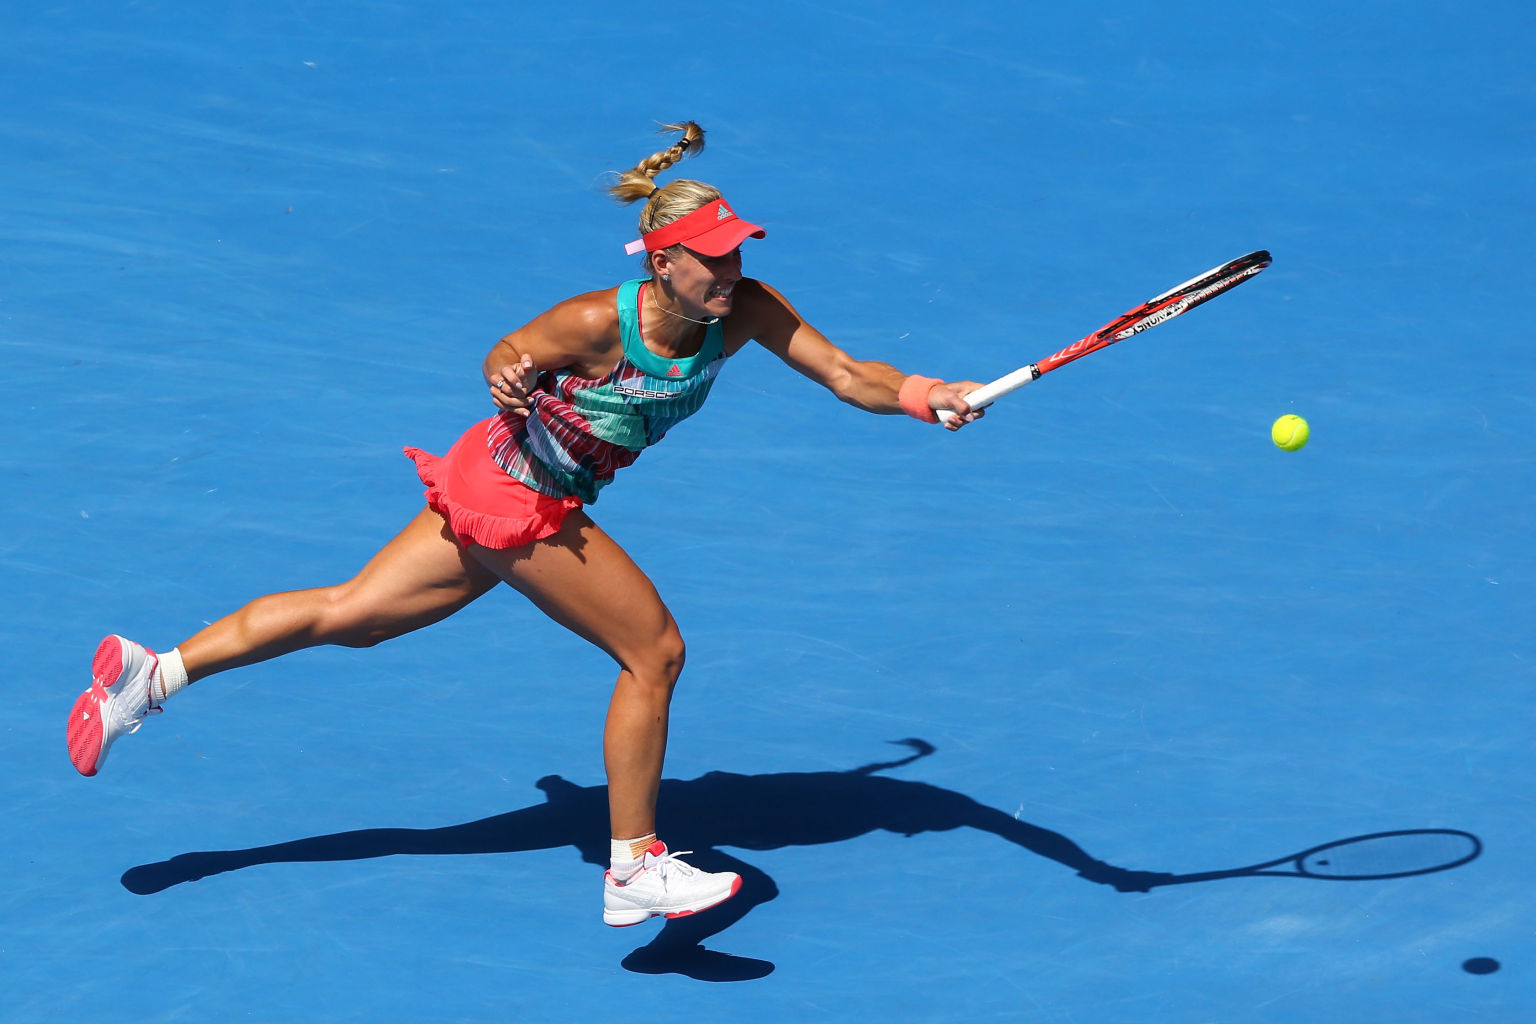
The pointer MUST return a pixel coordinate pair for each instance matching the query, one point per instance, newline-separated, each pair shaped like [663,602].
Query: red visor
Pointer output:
[711,230]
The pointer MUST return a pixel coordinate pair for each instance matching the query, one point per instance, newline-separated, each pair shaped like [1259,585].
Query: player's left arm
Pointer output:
[868,384]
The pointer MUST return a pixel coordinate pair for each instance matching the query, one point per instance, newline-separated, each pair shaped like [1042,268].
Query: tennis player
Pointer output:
[580,391]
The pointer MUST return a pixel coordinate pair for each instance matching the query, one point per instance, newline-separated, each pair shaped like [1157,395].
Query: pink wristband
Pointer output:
[913,397]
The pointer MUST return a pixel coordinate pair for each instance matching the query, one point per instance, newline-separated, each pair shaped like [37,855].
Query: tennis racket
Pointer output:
[1178,299]
[1417,851]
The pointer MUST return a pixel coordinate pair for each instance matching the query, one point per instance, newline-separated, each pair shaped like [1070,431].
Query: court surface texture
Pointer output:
[994,724]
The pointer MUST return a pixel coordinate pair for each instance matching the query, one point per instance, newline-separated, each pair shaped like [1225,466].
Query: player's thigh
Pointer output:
[419,577]
[581,578]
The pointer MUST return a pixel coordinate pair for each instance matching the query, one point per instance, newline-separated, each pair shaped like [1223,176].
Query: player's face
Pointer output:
[706,283]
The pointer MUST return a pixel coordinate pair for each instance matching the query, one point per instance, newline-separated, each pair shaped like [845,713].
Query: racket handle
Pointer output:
[989,393]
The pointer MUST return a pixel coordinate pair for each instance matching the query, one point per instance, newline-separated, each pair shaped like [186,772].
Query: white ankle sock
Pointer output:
[170,677]
[622,860]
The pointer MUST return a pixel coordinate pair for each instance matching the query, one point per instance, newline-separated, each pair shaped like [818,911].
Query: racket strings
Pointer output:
[1391,855]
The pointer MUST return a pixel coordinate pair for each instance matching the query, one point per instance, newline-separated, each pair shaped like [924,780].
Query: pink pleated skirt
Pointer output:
[483,504]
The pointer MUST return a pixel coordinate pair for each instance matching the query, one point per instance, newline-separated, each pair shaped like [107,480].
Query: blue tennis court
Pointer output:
[996,726]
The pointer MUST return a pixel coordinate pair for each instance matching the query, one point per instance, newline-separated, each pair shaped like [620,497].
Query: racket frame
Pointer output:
[1179,299]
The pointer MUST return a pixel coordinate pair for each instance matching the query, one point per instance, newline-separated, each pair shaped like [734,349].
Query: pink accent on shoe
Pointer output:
[84,732]
[107,663]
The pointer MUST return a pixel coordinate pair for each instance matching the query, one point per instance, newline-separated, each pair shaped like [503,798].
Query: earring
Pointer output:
[667,278]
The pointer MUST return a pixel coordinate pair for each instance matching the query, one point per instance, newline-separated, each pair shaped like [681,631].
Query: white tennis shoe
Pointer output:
[114,706]
[664,886]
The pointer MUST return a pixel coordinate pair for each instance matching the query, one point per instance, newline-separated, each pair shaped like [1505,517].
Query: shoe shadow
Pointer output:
[751,812]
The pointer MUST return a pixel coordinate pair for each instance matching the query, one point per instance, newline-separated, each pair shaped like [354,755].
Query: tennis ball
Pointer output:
[1290,432]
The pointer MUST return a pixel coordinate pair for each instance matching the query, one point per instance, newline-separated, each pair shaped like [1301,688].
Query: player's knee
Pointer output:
[346,620]
[673,654]
[661,663]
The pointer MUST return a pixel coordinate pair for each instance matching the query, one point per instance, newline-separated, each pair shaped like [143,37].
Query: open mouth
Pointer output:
[719,291]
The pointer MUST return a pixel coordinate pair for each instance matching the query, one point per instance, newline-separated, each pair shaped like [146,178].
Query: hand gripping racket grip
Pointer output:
[989,393]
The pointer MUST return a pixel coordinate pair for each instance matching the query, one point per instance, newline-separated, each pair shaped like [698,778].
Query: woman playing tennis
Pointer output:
[581,390]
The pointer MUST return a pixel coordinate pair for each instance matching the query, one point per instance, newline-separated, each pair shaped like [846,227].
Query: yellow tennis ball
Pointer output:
[1290,432]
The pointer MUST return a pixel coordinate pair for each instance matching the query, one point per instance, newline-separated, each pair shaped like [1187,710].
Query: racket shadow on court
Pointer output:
[775,810]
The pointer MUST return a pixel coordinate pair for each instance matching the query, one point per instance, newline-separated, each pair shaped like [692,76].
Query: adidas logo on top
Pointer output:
[674,372]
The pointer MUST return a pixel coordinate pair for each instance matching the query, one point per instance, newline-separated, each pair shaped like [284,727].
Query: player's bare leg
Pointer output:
[418,578]
[583,579]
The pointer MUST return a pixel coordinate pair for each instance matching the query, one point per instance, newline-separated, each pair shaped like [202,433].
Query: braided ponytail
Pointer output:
[639,181]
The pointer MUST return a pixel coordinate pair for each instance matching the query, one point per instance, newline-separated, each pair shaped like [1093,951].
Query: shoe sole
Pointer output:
[86,718]
[629,918]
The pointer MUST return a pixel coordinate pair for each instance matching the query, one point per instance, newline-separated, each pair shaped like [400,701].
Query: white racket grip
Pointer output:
[989,393]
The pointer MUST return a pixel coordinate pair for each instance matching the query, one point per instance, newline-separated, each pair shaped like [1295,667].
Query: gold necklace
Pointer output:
[681,316]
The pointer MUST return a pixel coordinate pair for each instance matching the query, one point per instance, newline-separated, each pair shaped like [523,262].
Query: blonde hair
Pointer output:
[672,201]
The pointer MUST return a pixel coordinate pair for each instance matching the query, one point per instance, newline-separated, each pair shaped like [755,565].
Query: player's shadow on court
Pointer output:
[754,812]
